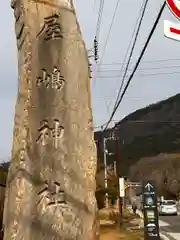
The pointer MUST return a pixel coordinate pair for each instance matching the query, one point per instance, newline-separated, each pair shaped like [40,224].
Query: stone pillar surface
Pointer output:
[51,183]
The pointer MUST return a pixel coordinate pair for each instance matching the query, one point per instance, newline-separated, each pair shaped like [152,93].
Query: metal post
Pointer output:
[105,174]
[117,175]
[115,171]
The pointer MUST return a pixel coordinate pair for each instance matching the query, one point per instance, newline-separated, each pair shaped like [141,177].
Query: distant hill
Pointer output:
[146,132]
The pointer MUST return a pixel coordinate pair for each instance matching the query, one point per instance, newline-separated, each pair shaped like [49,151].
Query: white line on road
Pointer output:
[163,224]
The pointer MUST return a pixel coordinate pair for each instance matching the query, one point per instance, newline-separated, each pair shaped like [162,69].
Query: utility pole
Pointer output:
[120,201]
[105,174]
[105,169]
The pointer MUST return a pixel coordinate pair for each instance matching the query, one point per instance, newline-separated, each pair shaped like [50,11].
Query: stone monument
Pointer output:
[51,183]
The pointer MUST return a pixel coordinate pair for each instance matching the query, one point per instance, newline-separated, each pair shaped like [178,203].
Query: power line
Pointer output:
[96,38]
[105,45]
[150,121]
[94,5]
[132,38]
[142,69]
[141,121]
[99,20]
[109,31]
[143,75]
[138,62]
[147,61]
[140,16]
[131,52]
[107,38]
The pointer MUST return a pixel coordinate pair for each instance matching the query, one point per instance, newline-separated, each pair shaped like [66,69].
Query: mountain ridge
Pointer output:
[146,132]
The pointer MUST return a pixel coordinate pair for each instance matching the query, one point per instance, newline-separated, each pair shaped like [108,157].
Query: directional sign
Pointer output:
[151,222]
[174,6]
[172,30]
[148,186]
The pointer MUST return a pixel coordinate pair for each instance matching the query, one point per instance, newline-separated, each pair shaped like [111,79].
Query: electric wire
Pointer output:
[137,63]
[143,121]
[143,75]
[141,13]
[137,21]
[94,5]
[144,6]
[107,38]
[146,61]
[99,20]
[109,31]
[140,69]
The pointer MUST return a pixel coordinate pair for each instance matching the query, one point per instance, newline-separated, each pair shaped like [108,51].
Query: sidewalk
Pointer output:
[163,234]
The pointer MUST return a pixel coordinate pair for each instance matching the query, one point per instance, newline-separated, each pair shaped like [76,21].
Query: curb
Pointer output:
[166,236]
[140,213]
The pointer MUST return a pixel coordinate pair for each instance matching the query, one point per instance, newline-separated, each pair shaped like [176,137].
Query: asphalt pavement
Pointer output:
[171,226]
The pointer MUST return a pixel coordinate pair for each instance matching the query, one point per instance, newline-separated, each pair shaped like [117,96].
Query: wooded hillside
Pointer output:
[146,132]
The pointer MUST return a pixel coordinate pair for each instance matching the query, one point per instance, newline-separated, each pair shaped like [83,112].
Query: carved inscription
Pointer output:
[51,28]
[55,79]
[22,151]
[90,70]
[47,133]
[44,79]
[19,24]
[53,193]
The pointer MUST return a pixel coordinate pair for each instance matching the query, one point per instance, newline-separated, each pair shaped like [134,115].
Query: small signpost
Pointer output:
[121,196]
[151,221]
[121,187]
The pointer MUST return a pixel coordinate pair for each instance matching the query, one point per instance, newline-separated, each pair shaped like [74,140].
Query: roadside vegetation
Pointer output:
[3,176]
[110,228]
[164,169]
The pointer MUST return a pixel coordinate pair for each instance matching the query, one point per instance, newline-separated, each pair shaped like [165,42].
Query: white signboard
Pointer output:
[121,187]
[172,30]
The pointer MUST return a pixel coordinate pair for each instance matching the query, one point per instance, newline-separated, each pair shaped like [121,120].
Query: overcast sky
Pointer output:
[148,86]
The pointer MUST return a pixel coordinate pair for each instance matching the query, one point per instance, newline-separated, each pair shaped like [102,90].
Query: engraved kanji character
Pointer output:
[22,150]
[44,193]
[44,133]
[52,191]
[51,28]
[57,132]
[45,79]
[57,79]
[58,195]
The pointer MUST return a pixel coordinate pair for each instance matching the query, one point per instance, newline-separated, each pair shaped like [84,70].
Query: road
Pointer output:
[170,225]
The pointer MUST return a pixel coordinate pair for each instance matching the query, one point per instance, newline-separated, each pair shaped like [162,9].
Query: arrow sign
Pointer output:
[172,30]
[149,186]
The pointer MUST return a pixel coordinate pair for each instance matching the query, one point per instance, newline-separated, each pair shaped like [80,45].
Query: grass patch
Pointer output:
[114,233]
[111,230]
